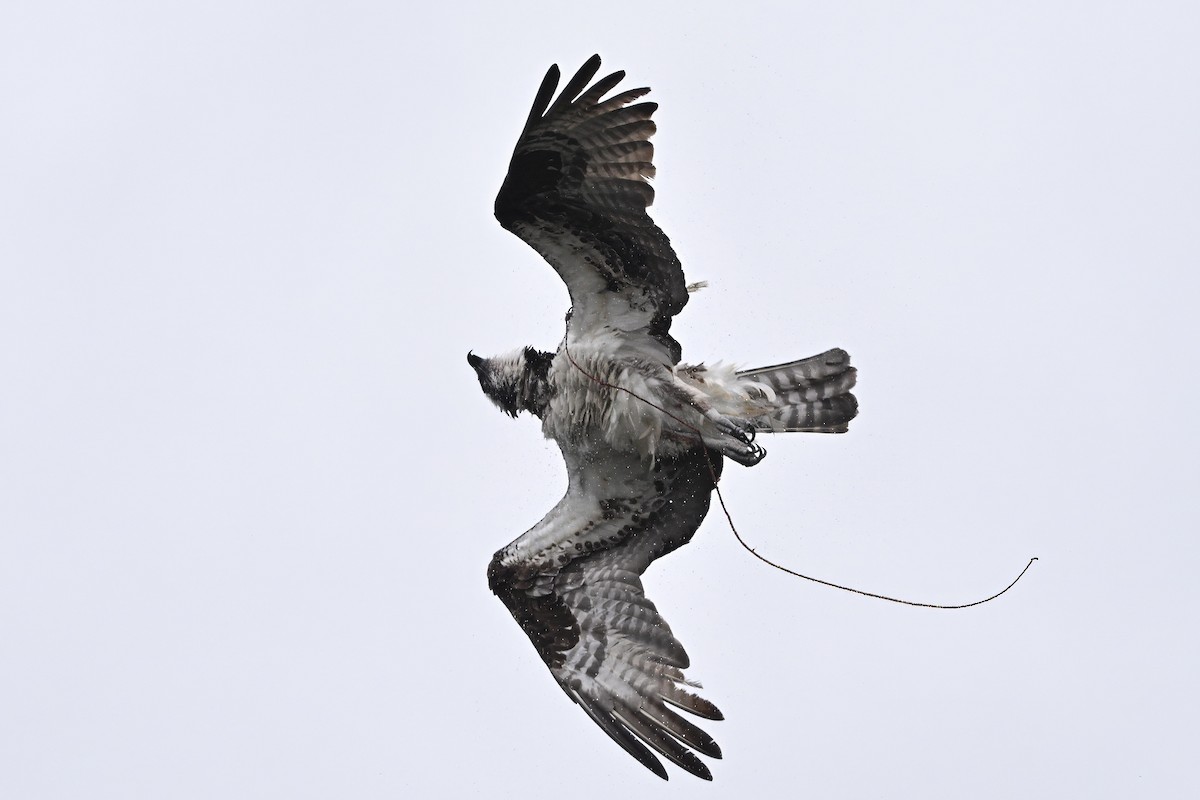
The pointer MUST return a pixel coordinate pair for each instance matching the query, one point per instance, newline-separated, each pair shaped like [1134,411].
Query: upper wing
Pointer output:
[576,192]
[573,583]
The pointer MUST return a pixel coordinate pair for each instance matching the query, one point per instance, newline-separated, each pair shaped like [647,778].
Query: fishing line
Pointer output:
[721,498]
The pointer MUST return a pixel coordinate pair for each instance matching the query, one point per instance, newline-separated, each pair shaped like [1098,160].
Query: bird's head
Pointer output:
[509,380]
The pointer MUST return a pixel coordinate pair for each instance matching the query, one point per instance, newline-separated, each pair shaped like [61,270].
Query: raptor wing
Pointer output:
[577,192]
[573,582]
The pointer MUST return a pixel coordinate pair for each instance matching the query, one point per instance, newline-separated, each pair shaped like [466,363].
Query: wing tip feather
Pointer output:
[658,738]
[620,734]
[545,92]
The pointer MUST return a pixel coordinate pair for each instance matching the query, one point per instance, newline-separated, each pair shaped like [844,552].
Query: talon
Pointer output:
[738,429]
[747,456]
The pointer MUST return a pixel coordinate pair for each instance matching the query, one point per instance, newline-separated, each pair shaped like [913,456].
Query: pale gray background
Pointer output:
[250,487]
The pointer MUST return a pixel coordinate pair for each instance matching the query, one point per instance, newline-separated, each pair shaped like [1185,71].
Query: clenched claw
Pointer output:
[739,429]
[747,455]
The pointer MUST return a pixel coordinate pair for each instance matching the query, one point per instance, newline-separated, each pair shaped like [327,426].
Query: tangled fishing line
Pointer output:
[721,498]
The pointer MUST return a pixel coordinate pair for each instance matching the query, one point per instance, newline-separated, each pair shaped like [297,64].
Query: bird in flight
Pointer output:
[643,435]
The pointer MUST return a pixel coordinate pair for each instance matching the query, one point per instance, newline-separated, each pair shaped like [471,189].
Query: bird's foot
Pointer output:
[739,429]
[737,439]
[745,454]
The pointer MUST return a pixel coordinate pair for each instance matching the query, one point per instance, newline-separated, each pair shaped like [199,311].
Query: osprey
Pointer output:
[643,436]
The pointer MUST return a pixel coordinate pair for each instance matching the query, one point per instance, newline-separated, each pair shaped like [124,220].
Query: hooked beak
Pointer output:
[474,360]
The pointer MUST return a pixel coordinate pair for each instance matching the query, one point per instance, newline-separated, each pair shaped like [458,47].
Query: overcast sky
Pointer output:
[249,486]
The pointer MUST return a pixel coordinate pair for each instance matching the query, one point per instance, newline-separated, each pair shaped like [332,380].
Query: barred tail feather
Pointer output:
[782,377]
[811,395]
[823,416]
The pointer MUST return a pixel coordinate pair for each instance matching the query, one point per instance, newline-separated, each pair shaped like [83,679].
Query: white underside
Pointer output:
[626,418]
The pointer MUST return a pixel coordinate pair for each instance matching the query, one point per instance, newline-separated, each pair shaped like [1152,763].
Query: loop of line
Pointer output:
[721,498]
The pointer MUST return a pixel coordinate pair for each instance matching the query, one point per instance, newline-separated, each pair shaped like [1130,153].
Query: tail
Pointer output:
[811,395]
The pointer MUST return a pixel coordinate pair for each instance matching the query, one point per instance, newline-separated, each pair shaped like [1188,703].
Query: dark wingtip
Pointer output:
[544,94]
[577,83]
